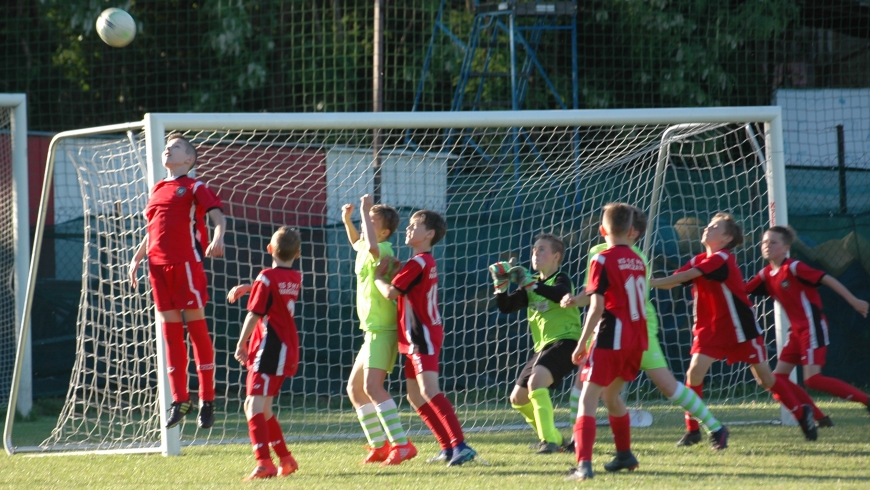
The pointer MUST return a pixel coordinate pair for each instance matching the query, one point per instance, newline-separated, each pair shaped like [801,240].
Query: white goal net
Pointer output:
[499,179]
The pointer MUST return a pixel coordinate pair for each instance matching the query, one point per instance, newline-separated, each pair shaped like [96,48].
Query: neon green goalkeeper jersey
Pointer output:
[376,313]
[548,321]
[652,319]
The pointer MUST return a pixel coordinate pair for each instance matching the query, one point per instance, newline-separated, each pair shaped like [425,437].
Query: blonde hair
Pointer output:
[618,218]
[732,229]
[286,243]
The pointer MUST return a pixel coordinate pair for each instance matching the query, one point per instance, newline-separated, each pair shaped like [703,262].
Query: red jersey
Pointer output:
[274,345]
[418,315]
[619,275]
[176,220]
[794,286]
[723,314]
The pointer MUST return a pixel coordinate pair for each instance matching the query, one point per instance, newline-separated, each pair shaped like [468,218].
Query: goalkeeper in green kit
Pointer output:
[555,331]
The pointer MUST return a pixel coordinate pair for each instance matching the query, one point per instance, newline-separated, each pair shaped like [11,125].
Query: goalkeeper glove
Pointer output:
[500,272]
[521,276]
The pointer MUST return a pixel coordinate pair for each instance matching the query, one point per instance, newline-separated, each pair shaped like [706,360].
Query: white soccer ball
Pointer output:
[116,27]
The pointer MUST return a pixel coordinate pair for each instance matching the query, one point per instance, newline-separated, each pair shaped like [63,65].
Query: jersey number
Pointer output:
[635,289]
[291,307]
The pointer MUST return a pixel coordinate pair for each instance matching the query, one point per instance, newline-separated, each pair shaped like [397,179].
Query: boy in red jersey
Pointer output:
[273,351]
[174,244]
[793,284]
[725,325]
[420,333]
[617,316]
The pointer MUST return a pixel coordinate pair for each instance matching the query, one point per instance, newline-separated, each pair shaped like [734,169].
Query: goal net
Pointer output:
[498,178]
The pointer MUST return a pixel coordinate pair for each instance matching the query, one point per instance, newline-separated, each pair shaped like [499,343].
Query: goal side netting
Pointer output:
[499,179]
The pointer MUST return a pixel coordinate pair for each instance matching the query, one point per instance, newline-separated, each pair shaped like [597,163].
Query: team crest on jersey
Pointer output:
[180,191]
[785,284]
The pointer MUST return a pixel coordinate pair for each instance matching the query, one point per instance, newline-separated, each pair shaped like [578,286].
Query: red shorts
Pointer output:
[178,286]
[260,384]
[751,352]
[417,363]
[795,352]
[603,366]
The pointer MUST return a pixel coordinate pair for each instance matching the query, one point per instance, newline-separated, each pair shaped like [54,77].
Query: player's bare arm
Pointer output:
[365,206]
[576,301]
[247,329]
[238,291]
[596,310]
[137,258]
[675,279]
[352,233]
[386,265]
[860,305]
[216,247]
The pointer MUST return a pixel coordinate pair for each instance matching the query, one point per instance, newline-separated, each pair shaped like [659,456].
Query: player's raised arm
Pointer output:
[216,247]
[365,206]
[352,233]
[675,279]
[860,305]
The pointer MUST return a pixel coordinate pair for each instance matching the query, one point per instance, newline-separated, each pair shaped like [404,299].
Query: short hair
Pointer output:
[786,232]
[639,222]
[618,218]
[286,243]
[389,215]
[191,150]
[731,228]
[556,243]
[432,221]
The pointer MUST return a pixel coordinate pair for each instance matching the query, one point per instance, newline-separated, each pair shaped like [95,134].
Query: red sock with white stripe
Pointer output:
[836,387]
[276,438]
[259,431]
[784,393]
[176,360]
[203,354]
[691,423]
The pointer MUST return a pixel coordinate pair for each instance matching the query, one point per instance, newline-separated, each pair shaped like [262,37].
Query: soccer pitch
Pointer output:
[758,456]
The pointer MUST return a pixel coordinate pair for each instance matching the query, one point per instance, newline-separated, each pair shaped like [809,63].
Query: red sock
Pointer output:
[836,387]
[276,438]
[802,396]
[621,428]
[786,395]
[259,432]
[448,419]
[203,353]
[584,437]
[691,423]
[430,418]
[176,360]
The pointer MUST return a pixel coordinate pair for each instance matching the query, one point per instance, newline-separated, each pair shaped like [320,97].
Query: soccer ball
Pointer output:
[116,27]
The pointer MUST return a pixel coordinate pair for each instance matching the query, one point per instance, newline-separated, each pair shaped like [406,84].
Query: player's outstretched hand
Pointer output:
[366,202]
[238,291]
[241,353]
[578,357]
[501,276]
[861,307]
[215,248]
[131,273]
[567,301]
[521,277]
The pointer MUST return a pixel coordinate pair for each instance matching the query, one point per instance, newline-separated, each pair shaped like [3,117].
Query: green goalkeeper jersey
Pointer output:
[376,313]
[652,319]
[548,321]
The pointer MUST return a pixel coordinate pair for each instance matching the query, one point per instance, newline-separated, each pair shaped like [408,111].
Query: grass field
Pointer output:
[758,457]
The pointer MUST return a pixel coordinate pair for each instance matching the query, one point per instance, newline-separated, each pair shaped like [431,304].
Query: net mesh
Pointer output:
[497,188]
[7,258]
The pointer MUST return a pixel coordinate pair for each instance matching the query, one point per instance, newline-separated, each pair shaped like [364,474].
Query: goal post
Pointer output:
[16,389]
[499,178]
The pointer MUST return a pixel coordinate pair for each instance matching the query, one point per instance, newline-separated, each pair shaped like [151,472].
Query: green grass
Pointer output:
[759,457]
